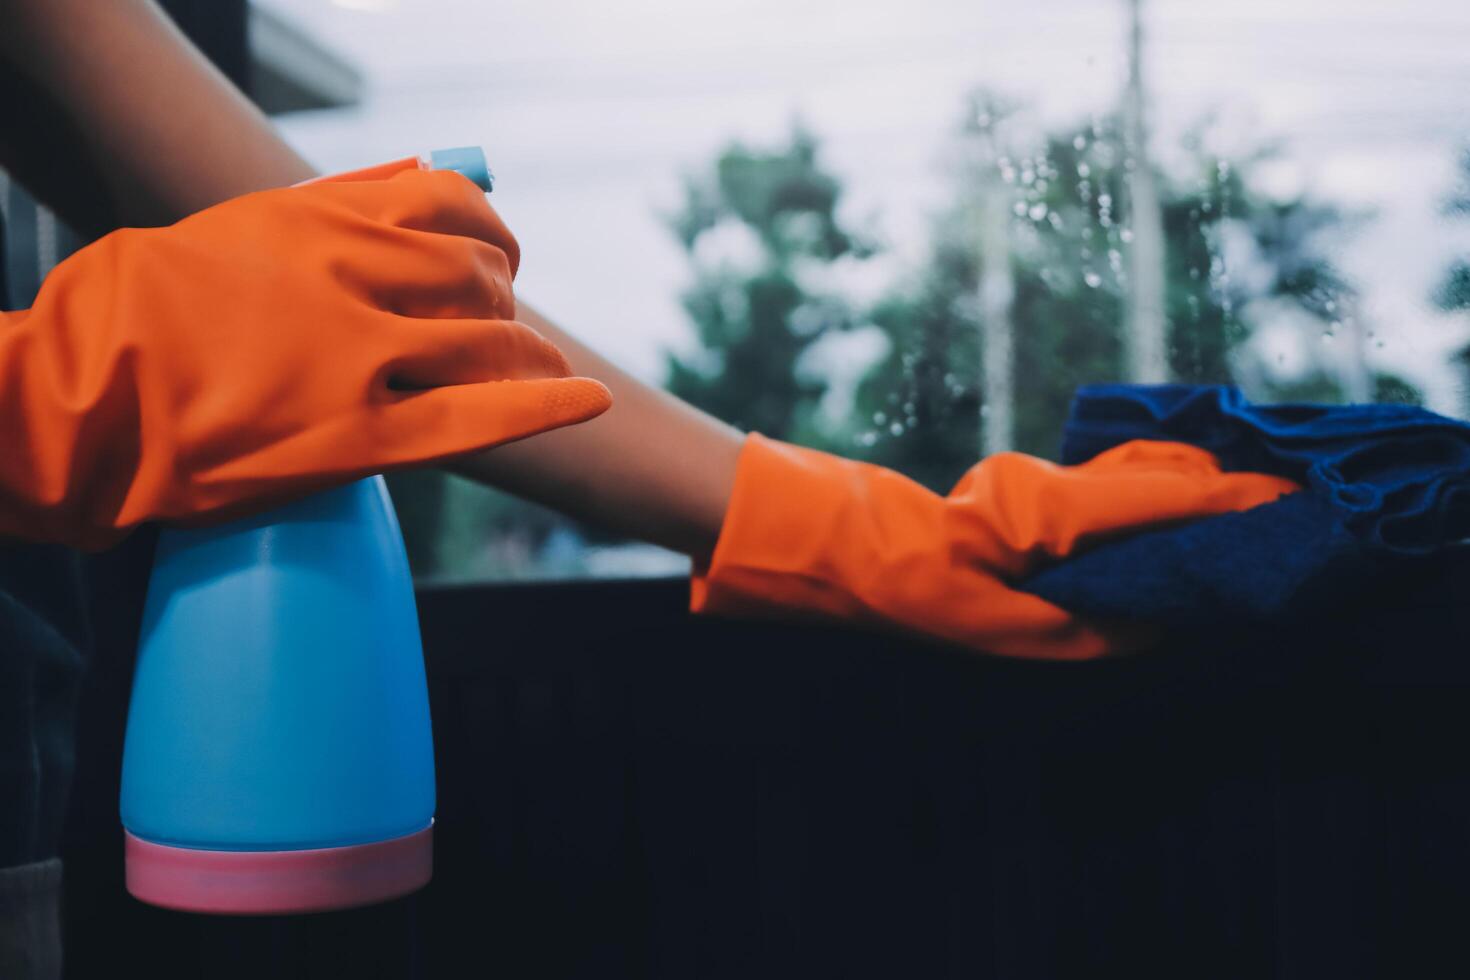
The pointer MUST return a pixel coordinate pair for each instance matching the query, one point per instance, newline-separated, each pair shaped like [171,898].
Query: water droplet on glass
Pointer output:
[896,429]
[1126,235]
[1020,208]
[1083,170]
[879,418]
[1038,211]
[1092,279]
[1079,142]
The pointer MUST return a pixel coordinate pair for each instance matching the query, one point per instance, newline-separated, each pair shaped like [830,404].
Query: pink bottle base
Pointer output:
[277,882]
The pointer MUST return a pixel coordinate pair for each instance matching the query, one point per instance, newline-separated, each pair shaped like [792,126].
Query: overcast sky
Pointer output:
[591,111]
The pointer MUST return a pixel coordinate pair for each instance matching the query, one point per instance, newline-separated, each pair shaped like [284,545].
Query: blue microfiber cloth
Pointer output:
[1384,483]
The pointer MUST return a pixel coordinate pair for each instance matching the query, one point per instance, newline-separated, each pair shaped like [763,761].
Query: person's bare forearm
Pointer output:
[168,133]
[652,466]
[180,138]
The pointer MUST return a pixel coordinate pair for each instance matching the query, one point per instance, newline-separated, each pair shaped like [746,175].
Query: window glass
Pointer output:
[908,231]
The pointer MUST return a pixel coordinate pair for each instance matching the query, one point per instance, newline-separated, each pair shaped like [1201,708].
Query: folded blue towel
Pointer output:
[1398,476]
[1383,483]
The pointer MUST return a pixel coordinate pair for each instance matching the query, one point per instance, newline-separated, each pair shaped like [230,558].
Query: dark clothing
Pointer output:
[47,592]
[44,641]
[43,633]
[43,623]
[30,921]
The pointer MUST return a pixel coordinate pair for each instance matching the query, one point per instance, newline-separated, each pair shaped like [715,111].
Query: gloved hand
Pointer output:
[813,533]
[271,345]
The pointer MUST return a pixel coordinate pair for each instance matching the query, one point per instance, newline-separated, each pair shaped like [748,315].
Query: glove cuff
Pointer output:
[800,532]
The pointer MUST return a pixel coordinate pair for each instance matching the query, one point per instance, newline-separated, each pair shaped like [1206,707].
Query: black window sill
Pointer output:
[629,792]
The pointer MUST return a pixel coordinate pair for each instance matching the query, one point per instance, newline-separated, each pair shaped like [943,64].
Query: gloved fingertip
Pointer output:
[577,399]
[1254,489]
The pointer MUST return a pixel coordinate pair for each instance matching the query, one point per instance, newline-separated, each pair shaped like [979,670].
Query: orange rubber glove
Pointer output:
[809,532]
[266,347]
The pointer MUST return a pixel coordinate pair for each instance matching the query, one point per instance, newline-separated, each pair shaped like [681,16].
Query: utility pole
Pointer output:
[1146,331]
[1356,377]
[997,340]
[996,290]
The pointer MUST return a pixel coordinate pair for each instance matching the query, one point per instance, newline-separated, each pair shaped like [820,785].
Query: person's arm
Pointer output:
[651,466]
[166,133]
[178,137]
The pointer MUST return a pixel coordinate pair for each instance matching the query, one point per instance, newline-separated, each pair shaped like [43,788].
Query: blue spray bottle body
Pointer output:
[279,755]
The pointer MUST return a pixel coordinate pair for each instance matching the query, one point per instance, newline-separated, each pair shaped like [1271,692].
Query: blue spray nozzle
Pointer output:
[466,160]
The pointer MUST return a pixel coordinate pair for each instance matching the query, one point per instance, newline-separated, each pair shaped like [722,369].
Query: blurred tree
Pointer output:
[1453,292]
[419,499]
[1319,387]
[1393,390]
[1236,260]
[917,409]
[456,530]
[755,314]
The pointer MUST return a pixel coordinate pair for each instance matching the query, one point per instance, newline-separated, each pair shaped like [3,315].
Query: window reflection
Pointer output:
[975,210]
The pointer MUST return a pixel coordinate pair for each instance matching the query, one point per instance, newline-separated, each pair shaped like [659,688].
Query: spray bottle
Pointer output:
[279,756]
